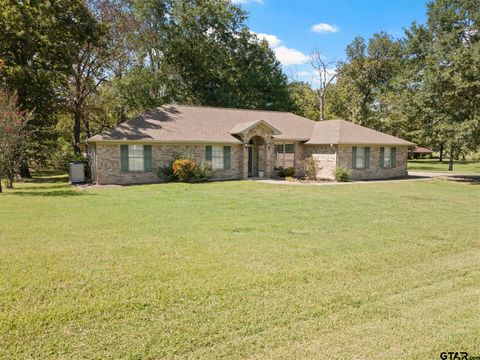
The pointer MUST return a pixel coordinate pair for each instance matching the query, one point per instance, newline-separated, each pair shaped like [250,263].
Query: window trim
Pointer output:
[130,157]
[210,156]
[392,150]
[283,145]
[146,158]
[366,157]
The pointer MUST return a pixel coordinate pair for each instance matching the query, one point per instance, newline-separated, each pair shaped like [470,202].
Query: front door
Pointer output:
[250,160]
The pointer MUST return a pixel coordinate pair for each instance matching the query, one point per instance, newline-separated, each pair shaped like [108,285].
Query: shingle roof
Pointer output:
[421,150]
[182,123]
[346,132]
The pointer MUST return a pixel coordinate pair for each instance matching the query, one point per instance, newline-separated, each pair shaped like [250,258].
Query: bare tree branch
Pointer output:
[325,78]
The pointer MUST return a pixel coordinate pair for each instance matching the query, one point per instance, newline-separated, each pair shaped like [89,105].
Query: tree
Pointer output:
[38,43]
[88,72]
[445,57]
[13,137]
[366,79]
[304,100]
[325,77]
[201,52]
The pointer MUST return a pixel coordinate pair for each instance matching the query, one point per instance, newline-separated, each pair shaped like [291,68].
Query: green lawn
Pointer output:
[240,270]
[459,167]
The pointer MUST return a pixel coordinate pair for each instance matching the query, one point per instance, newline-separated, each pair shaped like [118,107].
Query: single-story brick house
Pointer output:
[241,144]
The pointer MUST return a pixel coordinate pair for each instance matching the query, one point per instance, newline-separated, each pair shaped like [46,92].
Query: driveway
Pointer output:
[412,176]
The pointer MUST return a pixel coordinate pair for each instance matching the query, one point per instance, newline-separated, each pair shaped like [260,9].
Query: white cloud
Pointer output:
[324,28]
[285,55]
[246,1]
[272,40]
[288,56]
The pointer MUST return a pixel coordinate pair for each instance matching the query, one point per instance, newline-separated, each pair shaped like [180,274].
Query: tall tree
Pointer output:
[325,75]
[88,72]
[201,52]
[38,43]
[304,100]
[445,57]
[365,78]
[13,136]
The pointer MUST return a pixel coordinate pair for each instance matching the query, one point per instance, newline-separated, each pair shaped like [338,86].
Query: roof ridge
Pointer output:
[226,108]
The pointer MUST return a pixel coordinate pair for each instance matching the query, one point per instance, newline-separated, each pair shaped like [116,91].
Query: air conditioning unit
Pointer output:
[76,172]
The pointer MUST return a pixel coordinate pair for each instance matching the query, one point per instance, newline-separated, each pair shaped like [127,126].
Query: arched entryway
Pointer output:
[257,157]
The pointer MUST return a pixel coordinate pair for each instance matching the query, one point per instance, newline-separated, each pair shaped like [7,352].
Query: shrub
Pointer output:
[341,174]
[166,173]
[311,168]
[203,172]
[186,170]
[287,172]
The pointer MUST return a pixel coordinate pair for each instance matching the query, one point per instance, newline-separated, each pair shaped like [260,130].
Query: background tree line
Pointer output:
[424,86]
[77,67]
[82,66]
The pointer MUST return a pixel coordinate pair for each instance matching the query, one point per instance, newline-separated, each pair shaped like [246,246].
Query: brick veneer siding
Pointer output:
[107,163]
[344,158]
[265,150]
[326,159]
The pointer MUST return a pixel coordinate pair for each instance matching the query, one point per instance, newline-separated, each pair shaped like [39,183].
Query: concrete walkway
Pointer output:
[412,176]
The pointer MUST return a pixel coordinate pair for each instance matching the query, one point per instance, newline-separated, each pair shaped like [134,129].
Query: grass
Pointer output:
[240,270]
[459,166]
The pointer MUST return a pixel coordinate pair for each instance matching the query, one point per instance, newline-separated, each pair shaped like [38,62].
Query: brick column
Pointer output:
[269,157]
[245,161]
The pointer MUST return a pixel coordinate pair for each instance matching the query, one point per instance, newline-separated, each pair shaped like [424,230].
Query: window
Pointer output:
[219,156]
[135,158]
[284,155]
[360,157]
[388,157]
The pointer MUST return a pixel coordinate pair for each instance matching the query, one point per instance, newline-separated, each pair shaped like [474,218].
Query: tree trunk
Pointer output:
[24,171]
[1,190]
[320,107]
[123,116]
[450,164]
[10,182]
[441,152]
[76,129]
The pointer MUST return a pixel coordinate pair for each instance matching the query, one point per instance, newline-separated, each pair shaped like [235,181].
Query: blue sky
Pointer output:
[289,25]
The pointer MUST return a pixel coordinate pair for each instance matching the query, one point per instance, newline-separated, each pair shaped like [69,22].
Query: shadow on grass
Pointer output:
[47,179]
[465,179]
[49,187]
[48,193]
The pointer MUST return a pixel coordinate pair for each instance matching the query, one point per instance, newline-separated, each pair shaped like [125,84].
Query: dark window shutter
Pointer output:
[393,157]
[354,157]
[147,157]
[124,157]
[208,153]
[382,157]
[367,157]
[226,157]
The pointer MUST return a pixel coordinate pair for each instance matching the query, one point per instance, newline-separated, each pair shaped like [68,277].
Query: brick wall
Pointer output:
[344,158]
[325,156]
[108,169]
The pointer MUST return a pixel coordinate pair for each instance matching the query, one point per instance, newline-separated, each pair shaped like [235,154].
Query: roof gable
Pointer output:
[246,126]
